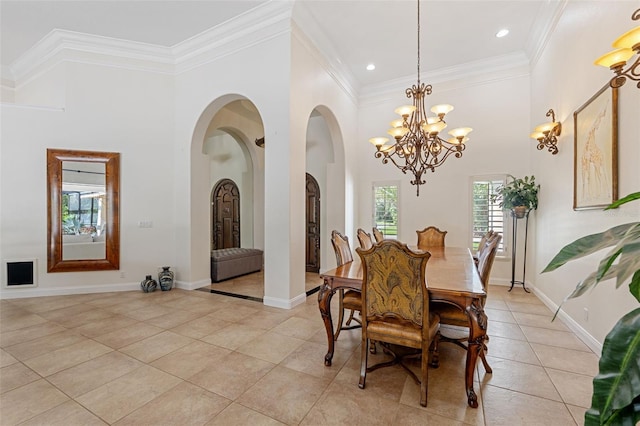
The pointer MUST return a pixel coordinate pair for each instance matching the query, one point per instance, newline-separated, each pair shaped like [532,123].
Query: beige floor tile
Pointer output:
[68,318]
[28,401]
[62,315]
[107,325]
[446,397]
[518,295]
[125,336]
[562,339]
[238,415]
[233,336]
[21,320]
[194,304]
[299,328]
[271,346]
[234,313]
[66,357]
[148,313]
[185,404]
[499,315]
[529,308]
[284,394]
[85,377]
[577,413]
[44,345]
[15,375]
[6,359]
[494,303]
[541,321]
[233,375]
[174,319]
[265,320]
[201,327]
[506,330]
[575,389]
[44,304]
[516,350]
[190,359]
[156,346]
[127,393]
[309,357]
[25,334]
[520,377]
[504,407]
[567,360]
[69,413]
[342,405]
[410,416]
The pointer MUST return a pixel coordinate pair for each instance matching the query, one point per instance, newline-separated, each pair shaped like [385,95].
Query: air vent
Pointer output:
[19,273]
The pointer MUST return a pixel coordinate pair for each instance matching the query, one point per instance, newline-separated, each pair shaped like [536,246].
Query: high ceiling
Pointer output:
[358,32]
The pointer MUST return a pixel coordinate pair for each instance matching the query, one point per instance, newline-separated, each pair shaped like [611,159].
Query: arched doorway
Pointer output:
[312,224]
[225,220]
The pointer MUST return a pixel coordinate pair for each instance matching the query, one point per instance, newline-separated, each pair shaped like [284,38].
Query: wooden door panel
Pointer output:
[226,215]
[312,245]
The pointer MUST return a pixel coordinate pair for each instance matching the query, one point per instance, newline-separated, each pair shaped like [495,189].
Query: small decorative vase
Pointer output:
[165,278]
[148,284]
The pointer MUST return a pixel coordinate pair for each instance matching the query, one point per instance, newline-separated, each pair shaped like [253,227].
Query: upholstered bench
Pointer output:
[233,262]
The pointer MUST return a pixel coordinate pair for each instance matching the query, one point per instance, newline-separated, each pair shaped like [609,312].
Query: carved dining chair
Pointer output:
[350,299]
[431,237]
[377,234]
[366,242]
[482,245]
[452,315]
[395,308]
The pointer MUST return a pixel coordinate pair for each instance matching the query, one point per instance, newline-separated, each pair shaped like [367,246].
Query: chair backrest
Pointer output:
[377,235]
[366,242]
[393,285]
[485,261]
[483,241]
[431,237]
[341,247]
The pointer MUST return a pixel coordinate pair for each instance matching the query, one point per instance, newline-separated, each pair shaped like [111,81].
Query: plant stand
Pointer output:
[514,242]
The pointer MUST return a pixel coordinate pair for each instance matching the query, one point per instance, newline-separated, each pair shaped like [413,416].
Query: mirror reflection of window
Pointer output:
[83,212]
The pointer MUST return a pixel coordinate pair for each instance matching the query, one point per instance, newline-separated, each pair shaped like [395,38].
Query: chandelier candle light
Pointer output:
[626,46]
[546,134]
[418,146]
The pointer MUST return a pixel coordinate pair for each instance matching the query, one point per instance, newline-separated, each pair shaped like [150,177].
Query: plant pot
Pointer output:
[519,211]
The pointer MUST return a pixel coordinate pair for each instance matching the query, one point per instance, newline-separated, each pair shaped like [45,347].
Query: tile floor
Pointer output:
[196,358]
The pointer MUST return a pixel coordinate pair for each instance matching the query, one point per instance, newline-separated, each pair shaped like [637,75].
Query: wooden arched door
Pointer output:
[313,225]
[225,226]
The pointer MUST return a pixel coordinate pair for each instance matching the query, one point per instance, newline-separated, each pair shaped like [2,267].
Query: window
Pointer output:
[385,209]
[486,214]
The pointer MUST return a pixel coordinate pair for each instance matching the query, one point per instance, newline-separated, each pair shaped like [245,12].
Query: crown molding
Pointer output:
[470,73]
[542,29]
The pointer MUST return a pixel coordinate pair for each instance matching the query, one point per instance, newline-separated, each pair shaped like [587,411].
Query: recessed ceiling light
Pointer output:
[371,67]
[503,32]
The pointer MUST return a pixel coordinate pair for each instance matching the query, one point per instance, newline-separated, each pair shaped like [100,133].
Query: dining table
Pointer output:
[451,277]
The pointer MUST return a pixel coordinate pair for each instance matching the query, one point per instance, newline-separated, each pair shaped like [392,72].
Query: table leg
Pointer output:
[477,336]
[324,303]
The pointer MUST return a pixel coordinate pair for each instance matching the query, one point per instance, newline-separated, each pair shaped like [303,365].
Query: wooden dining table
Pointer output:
[452,278]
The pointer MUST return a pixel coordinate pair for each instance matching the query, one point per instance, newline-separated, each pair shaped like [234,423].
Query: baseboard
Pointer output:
[186,285]
[284,303]
[587,338]
[65,291]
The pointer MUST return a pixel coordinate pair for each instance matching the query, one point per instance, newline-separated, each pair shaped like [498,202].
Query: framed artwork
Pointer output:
[595,155]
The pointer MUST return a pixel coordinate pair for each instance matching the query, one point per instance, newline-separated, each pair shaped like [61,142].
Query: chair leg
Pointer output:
[350,317]
[424,379]
[435,356]
[483,358]
[340,315]
[364,354]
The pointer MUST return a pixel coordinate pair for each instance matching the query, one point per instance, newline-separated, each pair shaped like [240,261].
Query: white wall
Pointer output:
[102,109]
[564,78]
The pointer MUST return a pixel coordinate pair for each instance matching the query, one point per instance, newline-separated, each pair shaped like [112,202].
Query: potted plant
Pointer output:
[616,388]
[519,195]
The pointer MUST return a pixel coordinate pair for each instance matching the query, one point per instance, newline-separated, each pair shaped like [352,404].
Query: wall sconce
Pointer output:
[626,45]
[546,134]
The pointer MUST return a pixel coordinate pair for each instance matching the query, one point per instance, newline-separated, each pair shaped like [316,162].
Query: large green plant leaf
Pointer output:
[616,388]
[590,244]
[624,200]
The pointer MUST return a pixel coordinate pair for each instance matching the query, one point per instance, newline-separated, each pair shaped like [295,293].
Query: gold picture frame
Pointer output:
[595,155]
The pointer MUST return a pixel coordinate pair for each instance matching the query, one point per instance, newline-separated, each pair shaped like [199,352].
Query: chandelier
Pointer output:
[418,146]
[626,46]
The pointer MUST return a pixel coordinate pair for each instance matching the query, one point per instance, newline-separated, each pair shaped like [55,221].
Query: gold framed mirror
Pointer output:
[83,220]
